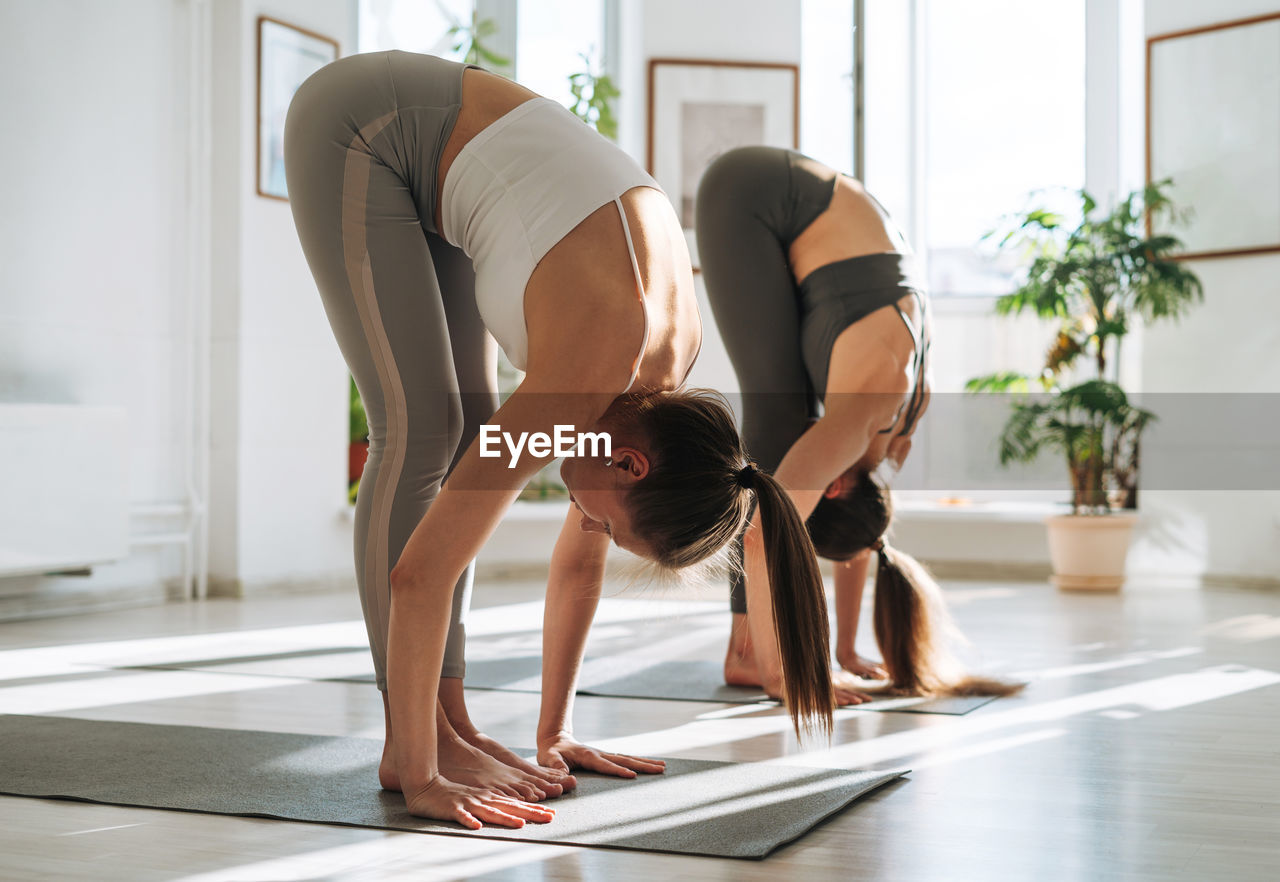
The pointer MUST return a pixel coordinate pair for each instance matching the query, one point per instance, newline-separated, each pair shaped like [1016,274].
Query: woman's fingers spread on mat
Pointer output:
[579,756]
[552,760]
[496,817]
[563,752]
[503,811]
[598,762]
[637,763]
[472,807]
[468,820]
[847,689]
[845,697]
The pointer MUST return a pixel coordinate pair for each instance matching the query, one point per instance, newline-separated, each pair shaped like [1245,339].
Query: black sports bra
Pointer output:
[915,403]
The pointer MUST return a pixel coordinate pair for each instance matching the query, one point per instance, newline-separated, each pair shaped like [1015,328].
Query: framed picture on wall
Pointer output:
[287,55]
[1213,127]
[698,109]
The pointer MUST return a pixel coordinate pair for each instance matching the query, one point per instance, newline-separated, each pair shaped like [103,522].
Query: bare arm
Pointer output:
[814,461]
[825,451]
[573,593]
[851,580]
[575,373]
[461,518]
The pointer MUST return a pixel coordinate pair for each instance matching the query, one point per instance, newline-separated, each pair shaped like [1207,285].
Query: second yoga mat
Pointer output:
[732,810]
[613,677]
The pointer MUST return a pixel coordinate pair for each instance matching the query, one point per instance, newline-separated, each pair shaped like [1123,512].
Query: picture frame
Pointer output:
[1213,127]
[287,55]
[700,108]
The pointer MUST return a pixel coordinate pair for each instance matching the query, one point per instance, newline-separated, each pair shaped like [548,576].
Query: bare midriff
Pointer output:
[852,226]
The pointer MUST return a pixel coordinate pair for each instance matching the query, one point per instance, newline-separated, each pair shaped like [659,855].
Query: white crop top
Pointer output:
[519,187]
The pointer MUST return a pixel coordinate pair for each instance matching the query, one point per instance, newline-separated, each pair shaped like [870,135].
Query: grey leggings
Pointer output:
[747,217]
[362,147]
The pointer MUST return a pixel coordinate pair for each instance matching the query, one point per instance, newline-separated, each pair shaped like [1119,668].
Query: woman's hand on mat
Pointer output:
[848,689]
[564,753]
[442,800]
[551,781]
[862,667]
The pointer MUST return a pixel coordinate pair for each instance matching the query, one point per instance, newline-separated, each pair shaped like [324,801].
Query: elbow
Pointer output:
[772,683]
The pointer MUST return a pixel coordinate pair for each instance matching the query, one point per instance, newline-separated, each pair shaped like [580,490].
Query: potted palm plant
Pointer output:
[1096,280]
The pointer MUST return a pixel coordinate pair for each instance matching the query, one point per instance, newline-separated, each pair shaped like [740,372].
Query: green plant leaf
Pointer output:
[359,422]
[1008,381]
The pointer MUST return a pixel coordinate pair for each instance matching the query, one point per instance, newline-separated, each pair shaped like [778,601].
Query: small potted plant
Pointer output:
[1096,279]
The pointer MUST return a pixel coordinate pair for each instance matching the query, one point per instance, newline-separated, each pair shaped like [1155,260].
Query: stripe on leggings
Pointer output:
[355,255]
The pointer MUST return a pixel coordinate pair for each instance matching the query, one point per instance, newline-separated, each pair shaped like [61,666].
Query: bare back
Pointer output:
[855,226]
[581,298]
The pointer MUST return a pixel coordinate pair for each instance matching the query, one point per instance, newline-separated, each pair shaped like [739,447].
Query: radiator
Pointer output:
[64,487]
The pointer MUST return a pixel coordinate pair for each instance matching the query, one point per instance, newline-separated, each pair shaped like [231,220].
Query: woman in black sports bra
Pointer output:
[817,299]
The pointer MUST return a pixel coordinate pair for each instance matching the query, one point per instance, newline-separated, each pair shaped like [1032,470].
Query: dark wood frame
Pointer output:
[712,62]
[1173,35]
[257,96]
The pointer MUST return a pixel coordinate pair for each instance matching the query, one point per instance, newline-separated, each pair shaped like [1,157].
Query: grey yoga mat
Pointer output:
[613,677]
[731,810]
[678,680]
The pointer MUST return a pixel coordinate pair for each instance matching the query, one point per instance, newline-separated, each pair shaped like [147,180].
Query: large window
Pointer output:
[552,36]
[971,106]
[827,82]
[411,25]
[546,39]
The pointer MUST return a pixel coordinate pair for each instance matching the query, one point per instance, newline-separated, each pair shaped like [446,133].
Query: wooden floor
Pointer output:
[1147,747]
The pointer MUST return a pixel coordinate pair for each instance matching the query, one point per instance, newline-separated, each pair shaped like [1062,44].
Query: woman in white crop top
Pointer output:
[437,205]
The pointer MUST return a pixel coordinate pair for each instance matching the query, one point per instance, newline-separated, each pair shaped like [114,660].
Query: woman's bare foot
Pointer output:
[550,780]
[463,763]
[741,668]
[454,707]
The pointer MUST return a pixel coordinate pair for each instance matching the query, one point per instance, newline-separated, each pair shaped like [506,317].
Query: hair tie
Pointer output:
[747,476]
[878,545]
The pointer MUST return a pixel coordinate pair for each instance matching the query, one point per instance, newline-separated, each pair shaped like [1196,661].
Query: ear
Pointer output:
[836,487]
[898,449]
[633,463]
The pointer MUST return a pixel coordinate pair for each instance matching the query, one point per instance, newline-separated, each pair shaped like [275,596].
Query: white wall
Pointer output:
[91,248]
[1226,345]
[94,284]
[279,384]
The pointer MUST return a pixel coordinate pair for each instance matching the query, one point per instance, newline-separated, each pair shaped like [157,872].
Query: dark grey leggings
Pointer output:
[362,146]
[752,203]
[747,215]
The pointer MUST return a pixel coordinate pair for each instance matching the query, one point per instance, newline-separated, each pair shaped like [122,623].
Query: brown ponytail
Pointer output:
[912,627]
[799,607]
[911,622]
[697,498]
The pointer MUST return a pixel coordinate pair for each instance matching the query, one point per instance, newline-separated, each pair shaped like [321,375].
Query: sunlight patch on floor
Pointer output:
[130,688]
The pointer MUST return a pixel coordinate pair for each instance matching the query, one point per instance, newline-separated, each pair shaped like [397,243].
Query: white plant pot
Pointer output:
[1089,551]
